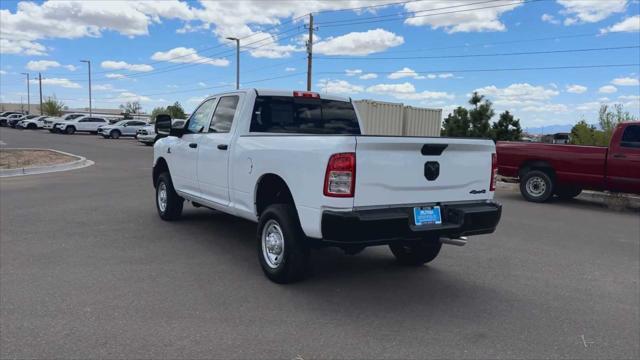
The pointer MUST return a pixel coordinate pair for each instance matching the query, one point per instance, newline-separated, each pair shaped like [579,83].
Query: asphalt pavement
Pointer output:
[88,270]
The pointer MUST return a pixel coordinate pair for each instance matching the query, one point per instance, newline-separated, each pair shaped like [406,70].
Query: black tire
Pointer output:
[294,263]
[416,254]
[148,144]
[70,130]
[174,203]
[105,136]
[32,126]
[536,186]
[115,134]
[566,193]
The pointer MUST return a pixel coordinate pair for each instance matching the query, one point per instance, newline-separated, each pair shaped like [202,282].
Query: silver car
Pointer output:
[121,128]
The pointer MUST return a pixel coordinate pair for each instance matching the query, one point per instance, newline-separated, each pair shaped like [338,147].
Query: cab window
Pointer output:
[200,118]
[223,117]
[631,136]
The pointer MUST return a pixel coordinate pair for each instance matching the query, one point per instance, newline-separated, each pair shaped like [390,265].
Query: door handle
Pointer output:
[619,156]
[193,145]
[223,147]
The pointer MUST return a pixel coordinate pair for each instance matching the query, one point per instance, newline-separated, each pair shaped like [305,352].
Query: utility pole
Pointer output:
[28,94]
[310,52]
[40,85]
[237,60]
[89,63]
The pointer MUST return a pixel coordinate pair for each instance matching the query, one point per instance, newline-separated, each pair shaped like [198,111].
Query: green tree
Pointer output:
[176,111]
[157,111]
[52,107]
[480,116]
[507,128]
[457,123]
[583,134]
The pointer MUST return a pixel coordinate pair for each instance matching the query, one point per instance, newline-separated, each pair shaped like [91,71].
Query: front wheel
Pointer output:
[536,186]
[168,202]
[284,255]
[115,134]
[416,254]
[70,130]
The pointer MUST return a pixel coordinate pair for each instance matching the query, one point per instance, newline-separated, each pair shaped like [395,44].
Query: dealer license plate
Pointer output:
[427,215]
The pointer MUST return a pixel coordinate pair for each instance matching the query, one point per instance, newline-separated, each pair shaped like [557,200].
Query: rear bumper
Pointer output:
[384,226]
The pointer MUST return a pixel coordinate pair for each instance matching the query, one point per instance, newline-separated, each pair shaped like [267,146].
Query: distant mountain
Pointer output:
[551,129]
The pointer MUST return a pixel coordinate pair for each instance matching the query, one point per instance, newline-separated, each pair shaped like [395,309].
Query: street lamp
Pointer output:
[237,60]
[89,63]
[28,94]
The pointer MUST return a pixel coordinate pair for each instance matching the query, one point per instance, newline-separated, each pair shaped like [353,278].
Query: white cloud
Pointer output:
[352,72]
[626,81]
[576,89]
[202,84]
[187,55]
[607,89]
[289,69]
[70,67]
[550,19]
[21,47]
[589,11]
[518,94]
[126,96]
[358,43]
[368,76]
[445,75]
[121,65]
[115,76]
[406,91]
[630,24]
[41,65]
[629,97]
[405,73]
[487,19]
[62,82]
[106,87]
[2,72]
[550,108]
[339,87]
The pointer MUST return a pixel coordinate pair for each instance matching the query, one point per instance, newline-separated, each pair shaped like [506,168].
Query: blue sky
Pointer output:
[422,53]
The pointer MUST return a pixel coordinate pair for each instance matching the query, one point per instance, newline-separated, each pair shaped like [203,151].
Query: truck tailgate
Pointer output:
[414,170]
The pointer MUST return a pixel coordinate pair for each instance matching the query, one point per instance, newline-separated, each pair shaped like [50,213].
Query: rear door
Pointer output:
[132,127]
[413,170]
[623,161]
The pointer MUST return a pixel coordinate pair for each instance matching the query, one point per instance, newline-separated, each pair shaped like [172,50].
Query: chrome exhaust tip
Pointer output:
[461,241]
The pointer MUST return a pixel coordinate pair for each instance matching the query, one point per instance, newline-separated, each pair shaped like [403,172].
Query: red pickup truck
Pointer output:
[545,170]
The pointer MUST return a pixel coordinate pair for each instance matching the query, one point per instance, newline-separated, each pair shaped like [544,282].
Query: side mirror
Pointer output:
[165,127]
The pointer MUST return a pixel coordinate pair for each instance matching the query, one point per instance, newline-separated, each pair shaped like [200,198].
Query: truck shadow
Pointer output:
[372,277]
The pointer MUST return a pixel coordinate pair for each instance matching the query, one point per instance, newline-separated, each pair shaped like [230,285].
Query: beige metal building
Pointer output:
[386,118]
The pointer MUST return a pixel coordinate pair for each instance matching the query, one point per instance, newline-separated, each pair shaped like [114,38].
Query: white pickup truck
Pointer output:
[296,163]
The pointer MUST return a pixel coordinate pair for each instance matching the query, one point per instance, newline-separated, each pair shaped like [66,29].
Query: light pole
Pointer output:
[89,63]
[28,94]
[237,60]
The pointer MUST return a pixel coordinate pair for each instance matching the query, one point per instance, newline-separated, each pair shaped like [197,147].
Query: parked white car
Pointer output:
[13,118]
[147,135]
[84,123]
[297,164]
[50,123]
[5,115]
[32,124]
[121,128]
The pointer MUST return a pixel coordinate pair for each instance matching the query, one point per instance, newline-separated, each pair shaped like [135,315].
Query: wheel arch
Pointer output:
[159,167]
[271,189]
[541,165]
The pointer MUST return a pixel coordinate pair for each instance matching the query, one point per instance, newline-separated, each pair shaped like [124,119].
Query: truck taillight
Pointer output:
[340,178]
[494,172]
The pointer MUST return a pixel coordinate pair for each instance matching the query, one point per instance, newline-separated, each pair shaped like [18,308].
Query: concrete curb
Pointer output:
[81,162]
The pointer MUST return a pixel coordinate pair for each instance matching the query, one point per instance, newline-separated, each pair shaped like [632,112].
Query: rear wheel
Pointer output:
[284,255]
[70,130]
[567,193]
[168,202]
[536,186]
[115,134]
[416,254]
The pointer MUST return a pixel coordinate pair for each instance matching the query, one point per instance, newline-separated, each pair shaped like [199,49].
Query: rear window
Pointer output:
[285,114]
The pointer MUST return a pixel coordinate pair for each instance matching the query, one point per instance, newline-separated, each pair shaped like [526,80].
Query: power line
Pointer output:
[351,22]
[563,51]
[491,70]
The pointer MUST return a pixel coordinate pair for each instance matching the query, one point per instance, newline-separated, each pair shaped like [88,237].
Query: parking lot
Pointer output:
[88,270]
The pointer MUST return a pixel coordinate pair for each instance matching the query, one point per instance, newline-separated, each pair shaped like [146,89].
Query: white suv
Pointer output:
[32,124]
[50,123]
[84,123]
